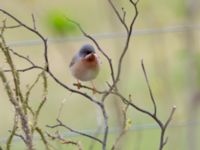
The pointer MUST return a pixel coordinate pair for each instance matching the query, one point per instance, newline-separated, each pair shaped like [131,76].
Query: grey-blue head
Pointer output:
[86,49]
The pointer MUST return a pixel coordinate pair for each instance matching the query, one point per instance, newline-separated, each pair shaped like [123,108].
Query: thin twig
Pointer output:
[89,88]
[123,130]
[64,141]
[149,88]
[124,14]
[15,127]
[125,49]
[163,140]
[21,56]
[11,27]
[43,138]
[61,124]
[34,31]
[34,23]
[121,19]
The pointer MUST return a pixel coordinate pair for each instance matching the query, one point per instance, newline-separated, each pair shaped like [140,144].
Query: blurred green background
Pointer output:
[166,36]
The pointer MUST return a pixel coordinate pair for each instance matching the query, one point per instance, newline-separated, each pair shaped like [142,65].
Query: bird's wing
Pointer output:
[74,59]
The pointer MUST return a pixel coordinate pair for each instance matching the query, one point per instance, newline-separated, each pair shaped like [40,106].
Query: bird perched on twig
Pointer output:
[85,65]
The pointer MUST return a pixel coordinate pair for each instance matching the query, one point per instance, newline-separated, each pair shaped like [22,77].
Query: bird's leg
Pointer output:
[78,84]
[93,88]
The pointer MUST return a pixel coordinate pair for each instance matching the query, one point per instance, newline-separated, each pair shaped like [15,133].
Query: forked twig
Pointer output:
[61,124]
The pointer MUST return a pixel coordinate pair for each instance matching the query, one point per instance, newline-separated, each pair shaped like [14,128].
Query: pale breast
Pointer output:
[86,69]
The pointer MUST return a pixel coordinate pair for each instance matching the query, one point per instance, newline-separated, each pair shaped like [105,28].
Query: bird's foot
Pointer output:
[94,90]
[78,85]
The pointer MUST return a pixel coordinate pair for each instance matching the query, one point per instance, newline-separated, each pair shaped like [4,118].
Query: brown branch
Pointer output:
[41,104]
[125,49]
[162,126]
[121,19]
[43,138]
[149,88]
[124,14]
[89,88]
[163,140]
[25,69]
[61,124]
[11,27]
[13,131]
[34,31]
[34,23]
[21,56]
[123,130]
[64,141]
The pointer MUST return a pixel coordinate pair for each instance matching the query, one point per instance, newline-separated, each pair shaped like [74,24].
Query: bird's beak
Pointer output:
[89,55]
[98,58]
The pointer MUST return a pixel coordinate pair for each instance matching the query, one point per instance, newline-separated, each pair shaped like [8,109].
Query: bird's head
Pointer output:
[86,50]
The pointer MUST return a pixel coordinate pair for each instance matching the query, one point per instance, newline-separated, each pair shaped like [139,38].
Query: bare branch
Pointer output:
[45,86]
[13,131]
[162,126]
[64,141]
[124,14]
[121,19]
[163,140]
[34,31]
[123,130]
[61,124]
[11,27]
[129,32]
[25,69]
[21,56]
[149,88]
[43,138]
[89,88]
[34,24]
[170,117]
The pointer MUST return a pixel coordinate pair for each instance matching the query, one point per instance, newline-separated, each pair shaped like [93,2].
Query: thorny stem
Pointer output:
[17,99]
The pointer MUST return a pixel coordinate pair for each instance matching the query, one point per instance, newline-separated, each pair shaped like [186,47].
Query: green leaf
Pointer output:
[58,24]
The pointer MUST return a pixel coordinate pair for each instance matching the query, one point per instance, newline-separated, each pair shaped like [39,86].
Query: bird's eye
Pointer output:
[87,52]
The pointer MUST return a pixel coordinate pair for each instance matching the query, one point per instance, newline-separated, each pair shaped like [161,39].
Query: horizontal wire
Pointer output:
[113,130]
[136,32]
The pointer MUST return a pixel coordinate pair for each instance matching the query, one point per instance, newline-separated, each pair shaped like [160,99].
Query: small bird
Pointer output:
[85,65]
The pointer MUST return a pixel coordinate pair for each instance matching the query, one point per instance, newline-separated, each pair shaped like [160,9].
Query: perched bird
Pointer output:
[85,65]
